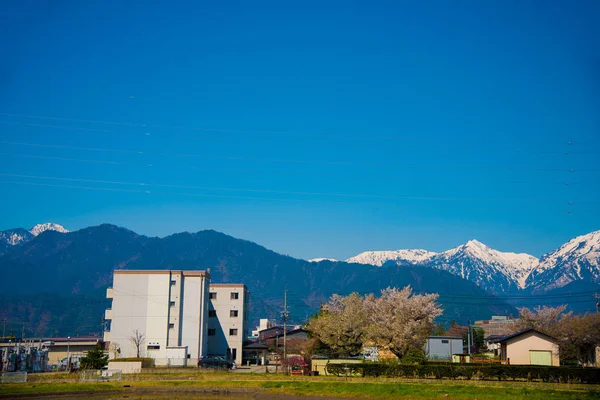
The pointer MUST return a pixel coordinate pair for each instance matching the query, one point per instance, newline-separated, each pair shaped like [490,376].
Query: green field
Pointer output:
[231,385]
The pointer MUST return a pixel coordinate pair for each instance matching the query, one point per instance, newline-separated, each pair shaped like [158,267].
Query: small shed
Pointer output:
[443,347]
[530,347]
[256,353]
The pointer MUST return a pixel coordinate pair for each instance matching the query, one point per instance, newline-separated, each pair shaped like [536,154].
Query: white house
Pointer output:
[228,320]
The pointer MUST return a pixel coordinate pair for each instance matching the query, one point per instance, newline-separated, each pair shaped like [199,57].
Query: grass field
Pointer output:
[231,385]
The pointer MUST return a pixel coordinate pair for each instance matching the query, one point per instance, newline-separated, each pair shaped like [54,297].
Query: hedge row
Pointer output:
[458,371]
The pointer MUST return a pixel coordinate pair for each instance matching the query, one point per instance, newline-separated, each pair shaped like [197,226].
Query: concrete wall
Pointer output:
[193,313]
[223,322]
[319,365]
[126,367]
[517,349]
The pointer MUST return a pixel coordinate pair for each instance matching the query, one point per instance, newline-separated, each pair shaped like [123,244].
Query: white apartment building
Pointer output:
[228,320]
[169,308]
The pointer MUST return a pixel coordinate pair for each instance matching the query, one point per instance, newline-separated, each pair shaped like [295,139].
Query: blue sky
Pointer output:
[317,129]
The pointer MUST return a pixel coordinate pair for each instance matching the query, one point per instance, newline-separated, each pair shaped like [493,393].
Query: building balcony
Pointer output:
[109,293]
[108,314]
[106,337]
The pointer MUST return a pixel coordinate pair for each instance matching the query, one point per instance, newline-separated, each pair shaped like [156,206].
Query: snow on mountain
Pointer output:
[379,258]
[491,269]
[13,237]
[578,259]
[322,259]
[48,226]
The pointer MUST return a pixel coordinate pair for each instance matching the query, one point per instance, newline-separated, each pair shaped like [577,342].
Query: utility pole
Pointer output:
[4,329]
[469,336]
[597,297]
[285,315]
[23,332]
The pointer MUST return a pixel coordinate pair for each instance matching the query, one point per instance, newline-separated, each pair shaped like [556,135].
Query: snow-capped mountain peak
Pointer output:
[477,249]
[578,259]
[487,262]
[585,245]
[322,259]
[472,260]
[379,258]
[48,226]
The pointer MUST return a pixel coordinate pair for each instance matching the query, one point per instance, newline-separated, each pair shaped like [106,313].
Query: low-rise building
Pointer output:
[443,347]
[58,348]
[499,325]
[264,323]
[530,347]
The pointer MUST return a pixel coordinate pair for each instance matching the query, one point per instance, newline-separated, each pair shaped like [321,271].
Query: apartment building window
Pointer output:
[234,295]
[173,283]
[212,295]
[171,326]
[233,332]
[171,304]
[153,347]
[233,313]
[212,332]
[212,313]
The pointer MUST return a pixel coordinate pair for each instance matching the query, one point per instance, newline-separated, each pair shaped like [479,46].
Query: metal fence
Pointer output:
[104,375]
[14,377]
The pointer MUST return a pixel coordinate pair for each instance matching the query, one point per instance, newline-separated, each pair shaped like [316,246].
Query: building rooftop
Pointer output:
[445,337]
[226,285]
[524,332]
[163,271]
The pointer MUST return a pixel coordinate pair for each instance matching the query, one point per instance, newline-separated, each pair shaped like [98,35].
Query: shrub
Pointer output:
[414,356]
[470,371]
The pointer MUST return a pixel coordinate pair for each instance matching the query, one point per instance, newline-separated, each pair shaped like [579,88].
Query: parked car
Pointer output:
[215,362]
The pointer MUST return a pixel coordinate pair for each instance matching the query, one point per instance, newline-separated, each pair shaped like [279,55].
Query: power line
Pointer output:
[206,195]
[216,130]
[271,191]
[320,174]
[296,161]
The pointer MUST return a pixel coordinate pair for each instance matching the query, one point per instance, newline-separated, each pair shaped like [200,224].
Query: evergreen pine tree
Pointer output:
[94,359]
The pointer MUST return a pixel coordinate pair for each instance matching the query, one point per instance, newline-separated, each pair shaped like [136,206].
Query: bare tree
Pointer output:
[115,349]
[545,319]
[137,340]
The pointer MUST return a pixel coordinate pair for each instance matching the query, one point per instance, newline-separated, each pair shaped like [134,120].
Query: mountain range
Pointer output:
[503,272]
[13,237]
[57,279]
